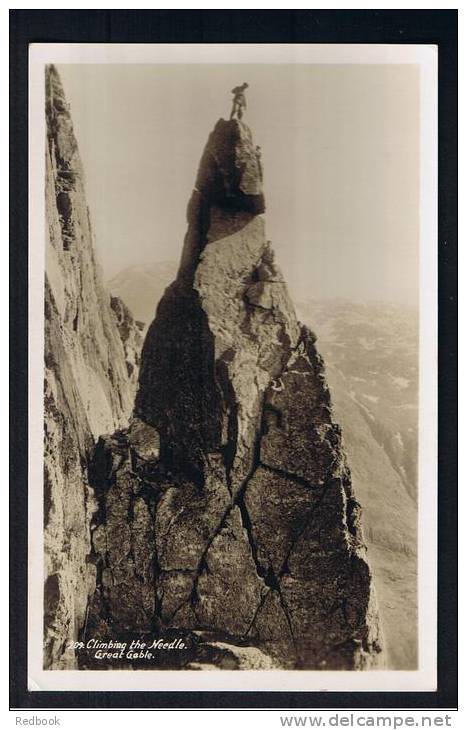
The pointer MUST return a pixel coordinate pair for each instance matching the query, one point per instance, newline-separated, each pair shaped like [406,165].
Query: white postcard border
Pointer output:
[423,679]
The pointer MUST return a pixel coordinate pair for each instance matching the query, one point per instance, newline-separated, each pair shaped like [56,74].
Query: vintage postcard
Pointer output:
[233,370]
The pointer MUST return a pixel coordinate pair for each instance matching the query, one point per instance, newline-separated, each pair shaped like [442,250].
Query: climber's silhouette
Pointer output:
[239,101]
[258,160]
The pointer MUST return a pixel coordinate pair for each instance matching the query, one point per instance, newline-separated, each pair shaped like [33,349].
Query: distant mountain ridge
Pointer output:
[141,286]
[371,356]
[373,349]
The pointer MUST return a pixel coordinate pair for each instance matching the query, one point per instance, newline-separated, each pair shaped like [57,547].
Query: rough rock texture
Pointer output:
[239,518]
[371,354]
[130,332]
[88,390]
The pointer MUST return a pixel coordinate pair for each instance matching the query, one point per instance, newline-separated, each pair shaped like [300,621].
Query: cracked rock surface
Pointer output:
[227,505]
[91,362]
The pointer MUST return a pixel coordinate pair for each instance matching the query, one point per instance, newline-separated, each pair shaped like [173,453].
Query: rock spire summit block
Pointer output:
[229,173]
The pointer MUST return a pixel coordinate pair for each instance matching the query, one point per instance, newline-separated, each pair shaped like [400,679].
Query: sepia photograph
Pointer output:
[234,433]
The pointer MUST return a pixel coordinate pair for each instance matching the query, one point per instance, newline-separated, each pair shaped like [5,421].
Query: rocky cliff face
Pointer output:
[90,378]
[371,354]
[226,509]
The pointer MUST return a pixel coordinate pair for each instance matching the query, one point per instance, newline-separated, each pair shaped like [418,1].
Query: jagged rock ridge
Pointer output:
[227,506]
[90,379]
[370,351]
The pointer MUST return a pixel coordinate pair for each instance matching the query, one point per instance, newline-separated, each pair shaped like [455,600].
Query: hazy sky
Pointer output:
[340,150]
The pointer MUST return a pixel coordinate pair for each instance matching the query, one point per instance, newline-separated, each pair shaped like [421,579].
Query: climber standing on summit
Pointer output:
[239,101]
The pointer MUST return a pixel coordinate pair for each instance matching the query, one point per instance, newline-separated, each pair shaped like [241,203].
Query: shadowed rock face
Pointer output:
[234,513]
[88,385]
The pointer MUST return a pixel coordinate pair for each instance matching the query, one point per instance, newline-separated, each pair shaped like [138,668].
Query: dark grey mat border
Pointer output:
[438,27]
